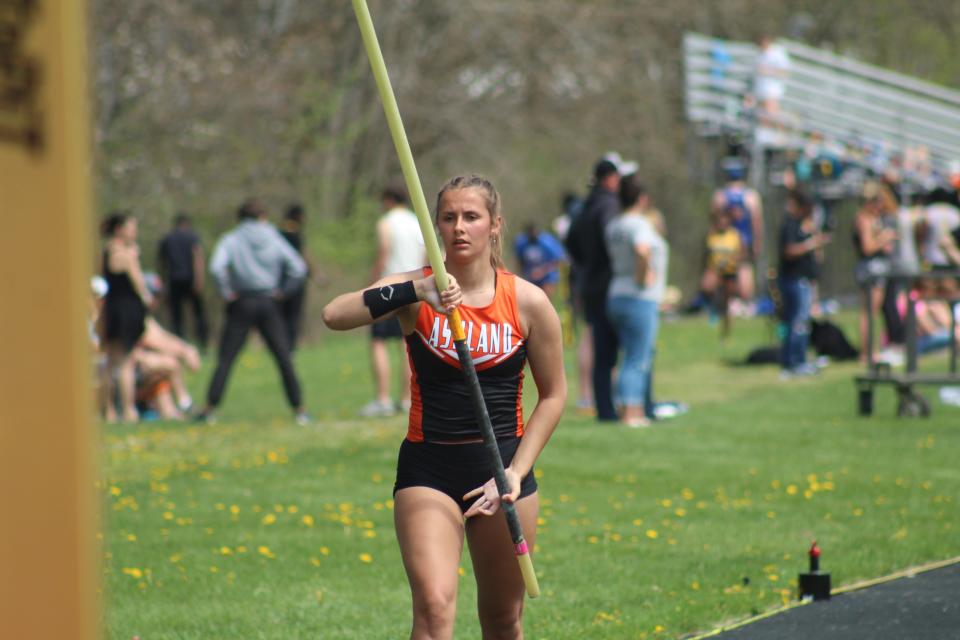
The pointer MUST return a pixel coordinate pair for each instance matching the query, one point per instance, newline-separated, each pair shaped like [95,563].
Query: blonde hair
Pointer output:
[492,201]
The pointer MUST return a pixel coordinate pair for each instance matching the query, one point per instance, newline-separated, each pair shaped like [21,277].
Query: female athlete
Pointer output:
[444,492]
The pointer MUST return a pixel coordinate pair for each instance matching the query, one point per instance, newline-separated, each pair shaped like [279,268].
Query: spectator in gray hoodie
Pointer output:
[254,268]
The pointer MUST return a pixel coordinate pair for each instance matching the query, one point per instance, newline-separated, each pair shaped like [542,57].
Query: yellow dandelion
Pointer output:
[680,512]
[293,508]
[167,515]
[659,628]
[115,491]
[315,562]
[241,549]
[219,506]
[278,508]
[272,456]
[214,569]
[366,558]
[858,512]
[325,551]
[131,537]
[133,572]
[206,475]
[792,489]
[307,520]
[234,509]
[637,522]
[369,533]
[389,504]
[593,539]
[773,577]
[652,534]
[695,585]
[268,519]
[666,503]
[265,551]
[538,473]
[564,497]
[771,514]
[808,494]
[226,551]
[175,558]
[461,571]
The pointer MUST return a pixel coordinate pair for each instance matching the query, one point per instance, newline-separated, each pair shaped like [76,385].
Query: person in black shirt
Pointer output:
[291,307]
[799,242]
[123,318]
[587,247]
[181,265]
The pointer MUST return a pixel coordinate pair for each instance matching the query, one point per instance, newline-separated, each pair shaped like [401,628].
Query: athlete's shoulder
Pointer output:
[530,297]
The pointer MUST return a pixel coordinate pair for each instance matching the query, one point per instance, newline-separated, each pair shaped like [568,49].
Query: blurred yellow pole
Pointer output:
[48,567]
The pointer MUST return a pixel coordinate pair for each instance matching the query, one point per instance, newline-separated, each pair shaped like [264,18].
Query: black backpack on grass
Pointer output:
[827,339]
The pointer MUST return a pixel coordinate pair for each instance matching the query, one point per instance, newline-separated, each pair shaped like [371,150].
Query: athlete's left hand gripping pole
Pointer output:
[392,111]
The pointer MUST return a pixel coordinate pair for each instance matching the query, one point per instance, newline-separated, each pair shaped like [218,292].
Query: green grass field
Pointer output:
[257,528]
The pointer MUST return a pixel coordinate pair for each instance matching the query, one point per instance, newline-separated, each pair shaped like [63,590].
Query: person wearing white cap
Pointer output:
[586,245]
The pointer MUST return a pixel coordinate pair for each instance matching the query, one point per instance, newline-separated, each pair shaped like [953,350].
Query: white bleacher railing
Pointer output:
[850,101]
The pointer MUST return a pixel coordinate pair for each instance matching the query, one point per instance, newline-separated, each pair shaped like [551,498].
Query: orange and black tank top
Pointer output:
[441,408]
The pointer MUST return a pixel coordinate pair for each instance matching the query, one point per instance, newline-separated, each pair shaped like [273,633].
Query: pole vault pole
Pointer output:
[392,111]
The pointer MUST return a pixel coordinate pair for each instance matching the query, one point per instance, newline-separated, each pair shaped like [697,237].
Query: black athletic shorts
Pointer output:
[454,469]
[389,328]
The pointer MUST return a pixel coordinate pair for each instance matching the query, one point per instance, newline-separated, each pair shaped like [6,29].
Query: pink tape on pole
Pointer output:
[521,548]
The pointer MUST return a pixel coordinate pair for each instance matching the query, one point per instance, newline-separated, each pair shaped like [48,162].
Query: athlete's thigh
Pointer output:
[430,532]
[499,581]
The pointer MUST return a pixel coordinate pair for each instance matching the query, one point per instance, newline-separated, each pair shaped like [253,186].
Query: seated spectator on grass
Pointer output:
[176,354]
[158,377]
[933,315]
[98,292]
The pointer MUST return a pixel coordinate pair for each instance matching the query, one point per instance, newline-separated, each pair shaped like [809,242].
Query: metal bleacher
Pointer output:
[853,103]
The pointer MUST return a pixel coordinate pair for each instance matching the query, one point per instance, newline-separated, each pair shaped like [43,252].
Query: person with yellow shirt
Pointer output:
[724,253]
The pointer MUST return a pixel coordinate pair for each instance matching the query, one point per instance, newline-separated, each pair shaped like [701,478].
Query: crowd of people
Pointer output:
[607,255]
[259,274]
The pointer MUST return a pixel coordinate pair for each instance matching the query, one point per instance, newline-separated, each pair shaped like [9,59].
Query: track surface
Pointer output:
[924,607]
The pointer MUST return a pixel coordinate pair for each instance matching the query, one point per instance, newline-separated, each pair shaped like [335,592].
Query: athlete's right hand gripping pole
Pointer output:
[493,451]
[392,112]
